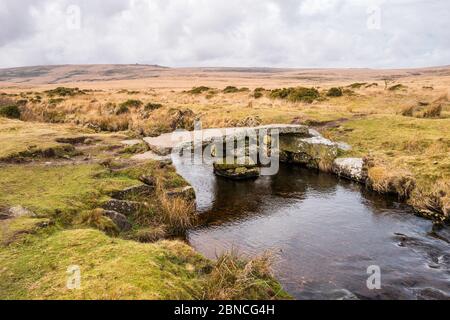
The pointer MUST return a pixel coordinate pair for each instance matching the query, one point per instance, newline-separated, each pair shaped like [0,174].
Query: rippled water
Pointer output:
[325,233]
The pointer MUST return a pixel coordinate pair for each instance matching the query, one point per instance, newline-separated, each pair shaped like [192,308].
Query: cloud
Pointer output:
[284,33]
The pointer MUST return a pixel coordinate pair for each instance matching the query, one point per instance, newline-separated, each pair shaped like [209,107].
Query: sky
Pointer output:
[226,33]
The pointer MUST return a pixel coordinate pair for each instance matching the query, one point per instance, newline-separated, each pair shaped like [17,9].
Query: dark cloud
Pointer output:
[289,33]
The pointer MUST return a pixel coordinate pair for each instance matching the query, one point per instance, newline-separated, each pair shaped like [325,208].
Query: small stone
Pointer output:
[140,190]
[187,193]
[119,220]
[123,206]
[237,171]
[148,180]
[19,211]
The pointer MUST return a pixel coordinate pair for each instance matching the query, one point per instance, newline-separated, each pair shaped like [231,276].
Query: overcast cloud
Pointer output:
[283,33]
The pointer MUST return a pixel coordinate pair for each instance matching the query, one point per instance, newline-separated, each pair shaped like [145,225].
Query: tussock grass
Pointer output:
[173,214]
[177,213]
[235,278]
[435,201]
[10,111]
[375,123]
[411,160]
[149,234]
[432,111]
[65,92]
[299,94]
[335,92]
[199,90]
[16,230]
[393,181]
[152,106]
[357,85]
[397,87]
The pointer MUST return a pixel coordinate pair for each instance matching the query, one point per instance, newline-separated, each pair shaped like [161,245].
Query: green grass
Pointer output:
[35,252]
[110,268]
[15,229]
[199,90]
[167,175]
[419,145]
[299,94]
[21,139]
[65,188]
[116,269]
[405,149]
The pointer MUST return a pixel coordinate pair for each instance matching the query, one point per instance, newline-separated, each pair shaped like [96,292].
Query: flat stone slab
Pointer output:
[132,142]
[165,143]
[138,190]
[150,155]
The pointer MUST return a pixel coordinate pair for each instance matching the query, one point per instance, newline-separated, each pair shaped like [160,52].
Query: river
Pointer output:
[324,233]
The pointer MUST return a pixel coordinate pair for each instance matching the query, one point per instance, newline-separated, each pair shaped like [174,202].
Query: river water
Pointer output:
[324,232]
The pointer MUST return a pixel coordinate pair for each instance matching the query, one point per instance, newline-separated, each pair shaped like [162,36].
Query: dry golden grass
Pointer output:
[234,278]
[393,181]
[407,128]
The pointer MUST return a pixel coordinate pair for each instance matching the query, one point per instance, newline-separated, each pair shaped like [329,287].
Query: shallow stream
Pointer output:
[324,233]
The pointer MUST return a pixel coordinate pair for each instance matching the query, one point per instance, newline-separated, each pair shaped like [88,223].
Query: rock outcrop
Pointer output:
[139,190]
[15,212]
[187,193]
[124,207]
[350,168]
[313,151]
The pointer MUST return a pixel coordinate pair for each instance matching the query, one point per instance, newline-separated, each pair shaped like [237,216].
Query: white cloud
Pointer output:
[284,33]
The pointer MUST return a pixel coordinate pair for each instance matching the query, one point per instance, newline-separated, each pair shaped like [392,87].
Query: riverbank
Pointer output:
[332,231]
[59,204]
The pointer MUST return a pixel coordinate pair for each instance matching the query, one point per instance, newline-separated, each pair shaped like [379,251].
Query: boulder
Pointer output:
[314,152]
[119,220]
[16,212]
[123,206]
[187,193]
[148,180]
[350,168]
[139,190]
[237,171]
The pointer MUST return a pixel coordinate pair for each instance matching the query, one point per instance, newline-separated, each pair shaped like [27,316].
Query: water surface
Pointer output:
[324,232]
